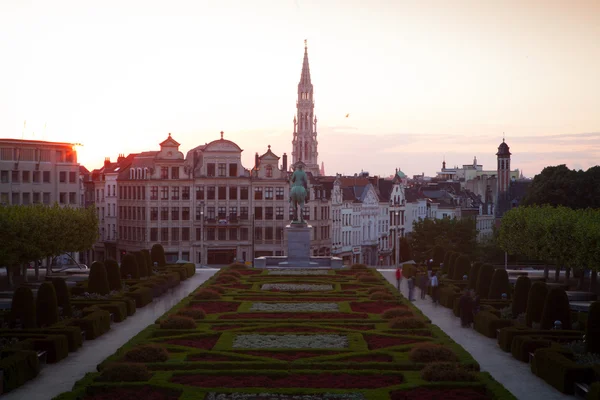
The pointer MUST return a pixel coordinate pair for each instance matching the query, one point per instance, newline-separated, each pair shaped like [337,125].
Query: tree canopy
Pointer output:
[452,234]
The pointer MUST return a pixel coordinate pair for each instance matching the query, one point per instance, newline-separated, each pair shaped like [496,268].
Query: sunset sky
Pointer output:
[421,80]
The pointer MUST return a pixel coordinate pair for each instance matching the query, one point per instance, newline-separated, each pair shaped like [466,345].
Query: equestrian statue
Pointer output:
[298,192]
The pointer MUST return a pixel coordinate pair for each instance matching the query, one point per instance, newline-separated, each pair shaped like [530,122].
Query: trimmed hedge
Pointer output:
[488,324]
[519,301]
[147,262]
[157,253]
[462,267]
[117,308]
[535,302]
[141,264]
[46,305]
[556,307]
[19,368]
[438,255]
[484,280]
[523,345]
[592,332]
[113,275]
[72,333]
[23,308]
[56,346]
[507,335]
[446,261]
[451,262]
[142,296]
[98,281]
[129,267]
[473,274]
[499,285]
[559,371]
[63,297]
[94,324]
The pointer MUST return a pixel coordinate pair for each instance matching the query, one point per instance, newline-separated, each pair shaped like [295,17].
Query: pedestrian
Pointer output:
[476,302]
[398,277]
[423,281]
[434,288]
[411,288]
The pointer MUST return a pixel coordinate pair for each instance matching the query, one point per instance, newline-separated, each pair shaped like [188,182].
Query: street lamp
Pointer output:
[397,239]
[202,237]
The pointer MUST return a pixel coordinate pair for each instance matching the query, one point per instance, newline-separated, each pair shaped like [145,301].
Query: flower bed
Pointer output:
[373,307]
[379,342]
[290,342]
[293,298]
[288,356]
[426,393]
[205,343]
[133,393]
[277,396]
[300,315]
[300,287]
[296,272]
[216,307]
[294,307]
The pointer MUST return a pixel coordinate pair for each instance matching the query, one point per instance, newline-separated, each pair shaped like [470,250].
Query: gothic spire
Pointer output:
[305,77]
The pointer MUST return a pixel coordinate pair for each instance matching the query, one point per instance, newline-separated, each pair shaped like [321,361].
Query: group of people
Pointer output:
[468,305]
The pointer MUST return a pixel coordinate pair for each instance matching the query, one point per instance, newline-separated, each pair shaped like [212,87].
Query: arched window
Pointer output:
[132,173]
[139,173]
[269,170]
[146,173]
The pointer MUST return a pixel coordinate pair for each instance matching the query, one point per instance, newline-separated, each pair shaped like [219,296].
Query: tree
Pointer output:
[405,250]
[452,234]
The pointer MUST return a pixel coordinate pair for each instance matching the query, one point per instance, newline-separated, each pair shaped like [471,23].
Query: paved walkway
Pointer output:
[55,379]
[515,375]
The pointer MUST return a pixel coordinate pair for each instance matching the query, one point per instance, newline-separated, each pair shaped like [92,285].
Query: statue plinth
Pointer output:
[298,241]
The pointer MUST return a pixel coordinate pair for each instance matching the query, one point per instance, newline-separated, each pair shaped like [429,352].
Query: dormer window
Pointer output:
[269,171]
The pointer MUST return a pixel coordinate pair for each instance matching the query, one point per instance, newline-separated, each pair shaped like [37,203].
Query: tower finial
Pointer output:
[221,135]
[305,44]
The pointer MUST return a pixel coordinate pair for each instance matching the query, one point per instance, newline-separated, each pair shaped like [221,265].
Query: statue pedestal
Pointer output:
[298,239]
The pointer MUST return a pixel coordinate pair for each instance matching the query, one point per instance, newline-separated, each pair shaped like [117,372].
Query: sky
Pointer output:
[422,81]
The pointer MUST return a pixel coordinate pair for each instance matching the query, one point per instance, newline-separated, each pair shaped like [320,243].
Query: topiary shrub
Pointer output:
[177,322]
[129,267]
[358,266]
[438,255]
[125,372]
[148,262]
[217,288]
[431,352]
[519,301]
[406,323]
[63,297]
[23,308]
[46,305]
[382,296]
[397,312]
[194,313]
[232,272]
[446,261]
[113,274]
[157,253]
[484,280]
[98,281]
[473,274]
[462,267]
[368,279]
[556,308]
[147,354]
[535,303]
[237,266]
[227,279]
[592,331]
[207,294]
[141,264]
[447,372]
[451,261]
[499,285]
[374,289]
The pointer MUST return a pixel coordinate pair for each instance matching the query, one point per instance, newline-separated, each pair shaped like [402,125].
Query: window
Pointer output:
[306,213]
[210,169]
[46,176]
[199,192]
[222,232]
[258,233]
[233,193]
[4,177]
[153,213]
[154,193]
[244,193]
[174,234]
[269,193]
[269,233]
[222,193]
[233,214]
[198,233]
[62,197]
[243,233]
[153,234]
[175,193]
[210,234]
[222,212]
[164,193]
[185,234]
[279,193]
[36,176]
[59,156]
[258,193]
[26,198]
[36,198]
[174,213]
[269,170]
[72,198]
[174,172]
[164,213]
[164,234]
[232,169]
[244,213]
[232,234]
[210,213]
[210,194]
[15,177]
[222,169]
[46,197]
[164,172]
[258,213]
[279,213]
[185,213]
[72,177]
[185,193]
[279,234]
[269,213]
[26,175]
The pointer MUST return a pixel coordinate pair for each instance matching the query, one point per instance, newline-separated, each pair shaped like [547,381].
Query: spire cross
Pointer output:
[305,45]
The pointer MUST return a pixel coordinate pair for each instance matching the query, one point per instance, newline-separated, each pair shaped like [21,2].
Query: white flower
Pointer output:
[295,307]
[254,341]
[290,287]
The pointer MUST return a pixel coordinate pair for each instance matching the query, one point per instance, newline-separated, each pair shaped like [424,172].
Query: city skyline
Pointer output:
[419,83]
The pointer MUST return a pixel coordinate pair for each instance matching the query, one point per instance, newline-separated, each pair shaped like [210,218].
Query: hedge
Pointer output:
[462,267]
[451,263]
[94,324]
[147,262]
[446,261]
[499,285]
[558,371]
[157,253]
[535,302]
[129,267]
[523,345]
[484,280]
[141,264]
[72,334]
[488,324]
[592,332]
[142,296]
[507,335]
[556,308]
[19,368]
[473,274]
[23,308]
[519,301]
[117,308]
[98,280]
[46,305]
[55,346]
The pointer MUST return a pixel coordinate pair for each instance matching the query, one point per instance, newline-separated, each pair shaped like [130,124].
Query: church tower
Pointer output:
[304,143]
[503,177]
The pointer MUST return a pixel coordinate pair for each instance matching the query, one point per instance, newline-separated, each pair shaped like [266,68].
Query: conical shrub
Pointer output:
[148,262]
[556,308]
[141,263]
[451,262]
[484,280]
[438,255]
[129,267]
[63,296]
[535,302]
[474,274]
[519,301]
[98,282]
[499,285]
[446,261]
[46,305]
[157,252]
[113,274]
[23,308]
[592,332]
[462,266]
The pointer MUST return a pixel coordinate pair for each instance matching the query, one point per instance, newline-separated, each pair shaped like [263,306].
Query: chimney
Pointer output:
[106,161]
[120,158]
[285,161]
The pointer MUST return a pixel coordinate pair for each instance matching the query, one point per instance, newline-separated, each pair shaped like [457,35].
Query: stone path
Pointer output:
[515,375]
[55,379]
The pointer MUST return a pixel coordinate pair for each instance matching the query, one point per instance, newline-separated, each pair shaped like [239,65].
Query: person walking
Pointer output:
[398,277]
[423,281]
[465,305]
[411,288]
[434,288]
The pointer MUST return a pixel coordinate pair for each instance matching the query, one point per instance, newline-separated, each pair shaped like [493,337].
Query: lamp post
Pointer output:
[202,237]
[397,240]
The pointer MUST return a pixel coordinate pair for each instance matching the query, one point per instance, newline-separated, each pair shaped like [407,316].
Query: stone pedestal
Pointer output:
[298,239]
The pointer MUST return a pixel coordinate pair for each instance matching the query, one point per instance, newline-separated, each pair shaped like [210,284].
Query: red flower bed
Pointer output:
[225,327]
[424,393]
[212,357]
[347,272]
[205,343]
[379,342]
[351,286]
[289,356]
[248,272]
[139,392]
[294,299]
[315,381]
[235,286]
[356,327]
[298,315]
[294,329]
[215,307]
[373,358]
[374,307]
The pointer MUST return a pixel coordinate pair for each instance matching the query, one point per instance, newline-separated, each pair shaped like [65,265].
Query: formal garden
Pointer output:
[287,334]
[49,320]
